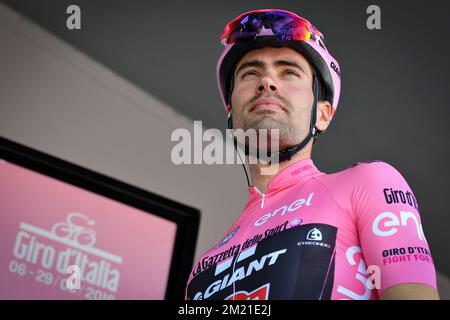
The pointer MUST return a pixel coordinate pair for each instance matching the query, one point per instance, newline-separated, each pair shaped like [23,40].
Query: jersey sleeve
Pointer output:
[390,229]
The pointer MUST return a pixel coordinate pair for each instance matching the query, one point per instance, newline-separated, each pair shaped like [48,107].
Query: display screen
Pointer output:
[59,241]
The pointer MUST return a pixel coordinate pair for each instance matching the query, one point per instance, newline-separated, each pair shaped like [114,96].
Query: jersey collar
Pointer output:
[299,170]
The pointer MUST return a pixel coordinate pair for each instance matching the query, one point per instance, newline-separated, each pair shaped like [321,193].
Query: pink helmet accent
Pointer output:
[313,49]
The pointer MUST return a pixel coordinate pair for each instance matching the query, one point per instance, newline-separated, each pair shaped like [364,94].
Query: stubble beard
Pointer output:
[278,132]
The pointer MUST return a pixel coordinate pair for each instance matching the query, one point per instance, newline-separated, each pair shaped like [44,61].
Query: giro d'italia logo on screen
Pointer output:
[66,258]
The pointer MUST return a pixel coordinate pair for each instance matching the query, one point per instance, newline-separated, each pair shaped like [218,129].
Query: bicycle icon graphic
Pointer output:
[79,232]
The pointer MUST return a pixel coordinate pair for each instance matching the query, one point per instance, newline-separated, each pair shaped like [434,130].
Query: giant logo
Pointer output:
[335,68]
[240,273]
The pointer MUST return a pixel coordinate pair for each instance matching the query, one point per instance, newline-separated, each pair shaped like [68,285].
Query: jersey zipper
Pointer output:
[262,196]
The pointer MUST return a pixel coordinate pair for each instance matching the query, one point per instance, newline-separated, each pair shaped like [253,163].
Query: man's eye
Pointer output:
[249,74]
[291,73]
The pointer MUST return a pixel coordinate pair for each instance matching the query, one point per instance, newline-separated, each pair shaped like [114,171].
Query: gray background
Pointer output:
[394,100]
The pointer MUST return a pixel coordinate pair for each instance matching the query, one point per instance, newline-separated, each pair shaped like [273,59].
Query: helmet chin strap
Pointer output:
[287,153]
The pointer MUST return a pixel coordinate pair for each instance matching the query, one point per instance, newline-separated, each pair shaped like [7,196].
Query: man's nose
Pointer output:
[267,84]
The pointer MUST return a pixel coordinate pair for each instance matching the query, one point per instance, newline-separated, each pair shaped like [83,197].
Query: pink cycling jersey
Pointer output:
[346,235]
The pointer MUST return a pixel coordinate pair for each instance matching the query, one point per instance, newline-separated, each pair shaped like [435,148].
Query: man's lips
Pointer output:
[266,104]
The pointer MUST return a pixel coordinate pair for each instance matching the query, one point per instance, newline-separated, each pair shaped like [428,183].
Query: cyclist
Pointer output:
[304,234]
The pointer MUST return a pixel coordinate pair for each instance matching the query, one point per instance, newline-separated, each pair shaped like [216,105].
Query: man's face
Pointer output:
[273,90]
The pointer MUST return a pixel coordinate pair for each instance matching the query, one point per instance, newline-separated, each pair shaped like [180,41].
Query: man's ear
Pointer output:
[324,111]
